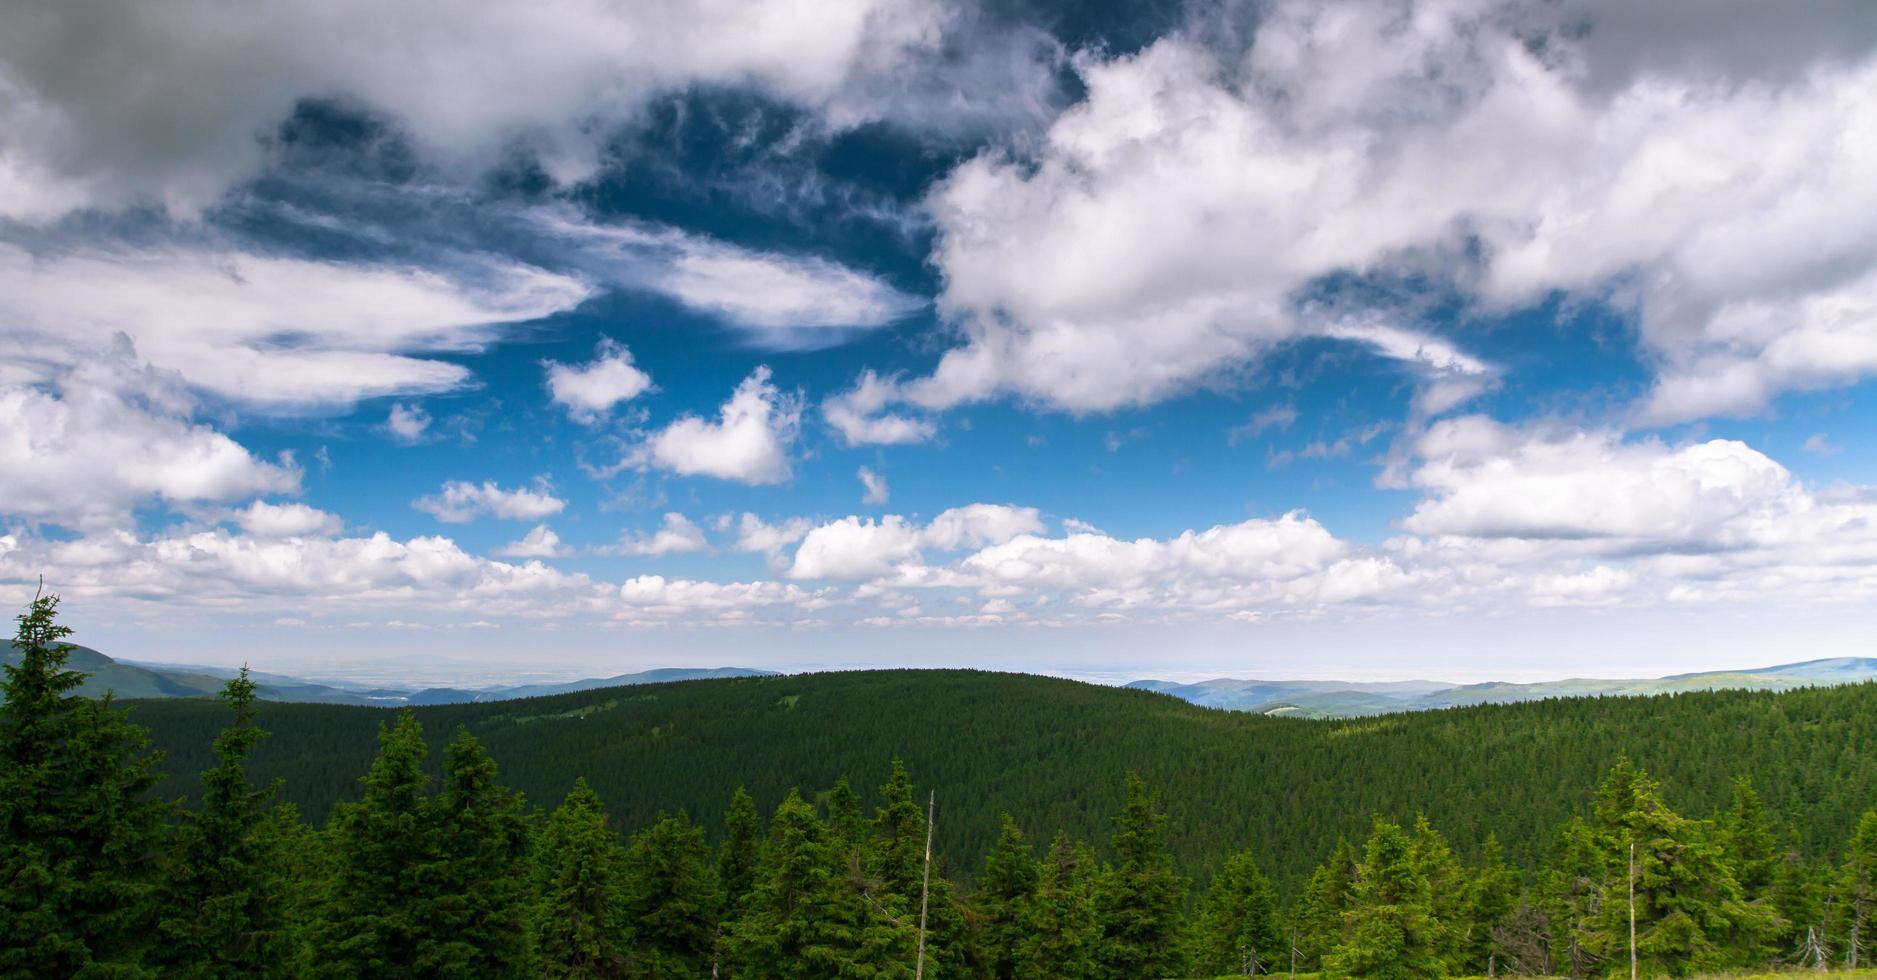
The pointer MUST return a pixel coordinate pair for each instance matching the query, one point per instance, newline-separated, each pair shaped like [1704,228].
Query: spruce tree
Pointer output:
[741,850]
[79,834]
[670,901]
[1392,932]
[1237,930]
[1570,894]
[1855,897]
[1005,891]
[226,903]
[1691,913]
[476,912]
[1138,899]
[1449,888]
[900,849]
[576,923]
[1060,935]
[805,917]
[374,920]
[1492,899]
[1323,908]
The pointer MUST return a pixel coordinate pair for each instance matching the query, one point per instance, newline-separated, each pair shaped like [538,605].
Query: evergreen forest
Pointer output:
[772,827]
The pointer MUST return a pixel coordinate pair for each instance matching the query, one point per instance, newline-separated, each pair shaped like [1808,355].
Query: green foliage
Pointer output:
[1061,935]
[1137,901]
[373,921]
[1005,892]
[1237,929]
[671,901]
[577,918]
[1856,896]
[475,921]
[400,882]
[1392,931]
[226,905]
[80,835]
[742,844]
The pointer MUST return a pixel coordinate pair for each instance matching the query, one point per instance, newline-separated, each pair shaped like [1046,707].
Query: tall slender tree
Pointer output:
[577,918]
[1323,909]
[1061,936]
[1138,899]
[1005,891]
[375,916]
[1392,932]
[737,857]
[1237,929]
[671,901]
[79,834]
[476,913]
[1855,897]
[226,903]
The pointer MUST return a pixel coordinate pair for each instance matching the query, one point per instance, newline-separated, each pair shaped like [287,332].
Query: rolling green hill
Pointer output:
[1052,753]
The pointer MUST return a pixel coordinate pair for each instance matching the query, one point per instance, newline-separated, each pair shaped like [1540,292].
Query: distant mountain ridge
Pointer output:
[134,679]
[1342,699]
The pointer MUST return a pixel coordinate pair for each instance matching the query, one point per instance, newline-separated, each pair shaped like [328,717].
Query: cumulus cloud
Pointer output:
[756,536]
[855,548]
[266,520]
[655,593]
[172,116]
[407,423]
[1171,226]
[459,502]
[875,485]
[110,435]
[749,442]
[859,415]
[218,567]
[675,535]
[269,331]
[539,542]
[590,390]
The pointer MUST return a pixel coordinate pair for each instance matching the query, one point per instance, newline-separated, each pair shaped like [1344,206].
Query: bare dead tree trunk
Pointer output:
[1633,974]
[925,883]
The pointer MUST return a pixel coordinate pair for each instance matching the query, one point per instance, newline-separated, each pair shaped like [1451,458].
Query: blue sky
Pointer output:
[1449,338]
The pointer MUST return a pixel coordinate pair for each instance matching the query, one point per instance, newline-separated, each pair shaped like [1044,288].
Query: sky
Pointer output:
[1460,339]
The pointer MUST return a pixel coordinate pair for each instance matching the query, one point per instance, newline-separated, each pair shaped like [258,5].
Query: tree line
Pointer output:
[456,876]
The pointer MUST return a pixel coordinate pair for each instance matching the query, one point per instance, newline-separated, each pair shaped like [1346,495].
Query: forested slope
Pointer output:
[1052,753]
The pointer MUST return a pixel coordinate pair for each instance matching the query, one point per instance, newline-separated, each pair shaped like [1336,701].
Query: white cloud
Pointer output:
[1278,417]
[459,502]
[539,542]
[217,568]
[267,331]
[749,442]
[777,292]
[1487,480]
[407,423]
[173,114]
[590,390]
[267,520]
[108,436]
[1171,227]
[858,415]
[676,535]
[1819,444]
[854,548]
[875,484]
[755,536]
[657,594]
[783,301]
